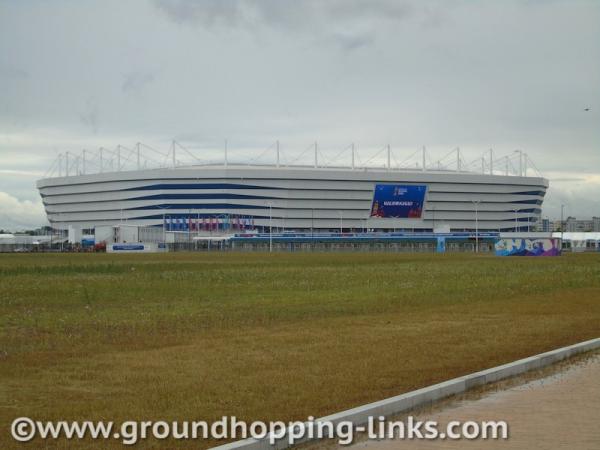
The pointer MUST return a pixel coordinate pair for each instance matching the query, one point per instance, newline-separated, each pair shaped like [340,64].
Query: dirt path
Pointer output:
[560,411]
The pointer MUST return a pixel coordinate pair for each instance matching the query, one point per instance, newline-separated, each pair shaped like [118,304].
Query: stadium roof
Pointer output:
[142,156]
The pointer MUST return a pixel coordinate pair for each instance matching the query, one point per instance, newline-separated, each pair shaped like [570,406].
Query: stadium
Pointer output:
[257,197]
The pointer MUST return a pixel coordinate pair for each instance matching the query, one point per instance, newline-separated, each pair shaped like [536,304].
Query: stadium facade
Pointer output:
[256,197]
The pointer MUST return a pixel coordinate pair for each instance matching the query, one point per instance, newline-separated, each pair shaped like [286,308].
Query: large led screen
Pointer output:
[404,201]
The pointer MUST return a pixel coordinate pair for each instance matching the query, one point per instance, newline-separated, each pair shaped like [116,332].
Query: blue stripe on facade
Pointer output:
[528,210]
[168,206]
[198,206]
[260,197]
[156,187]
[541,193]
[198,196]
[530,202]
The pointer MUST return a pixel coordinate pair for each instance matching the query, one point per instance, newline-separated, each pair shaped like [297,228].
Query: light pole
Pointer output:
[270,227]
[164,224]
[341,221]
[516,220]
[476,203]
[562,224]
[189,227]
[60,234]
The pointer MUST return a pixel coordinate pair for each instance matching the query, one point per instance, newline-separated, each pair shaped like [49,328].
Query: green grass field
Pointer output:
[268,336]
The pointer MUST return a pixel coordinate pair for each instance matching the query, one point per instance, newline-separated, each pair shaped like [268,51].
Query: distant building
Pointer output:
[572,224]
[545,225]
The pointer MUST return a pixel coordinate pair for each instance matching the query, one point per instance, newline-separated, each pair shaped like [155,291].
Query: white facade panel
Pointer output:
[294,198]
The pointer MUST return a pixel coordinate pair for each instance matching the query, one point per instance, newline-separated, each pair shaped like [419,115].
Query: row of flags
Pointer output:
[223,223]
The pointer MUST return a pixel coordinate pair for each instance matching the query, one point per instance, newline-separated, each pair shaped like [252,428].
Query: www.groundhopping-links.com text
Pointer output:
[25,429]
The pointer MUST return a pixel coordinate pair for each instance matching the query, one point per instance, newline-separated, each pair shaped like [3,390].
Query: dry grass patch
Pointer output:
[285,336]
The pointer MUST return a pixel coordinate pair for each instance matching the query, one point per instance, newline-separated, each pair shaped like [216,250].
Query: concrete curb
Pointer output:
[422,397]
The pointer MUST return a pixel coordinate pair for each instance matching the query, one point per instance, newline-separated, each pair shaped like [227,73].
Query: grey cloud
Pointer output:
[567,180]
[134,81]
[353,42]
[89,116]
[347,24]
[208,13]
[393,10]
[11,72]
[16,214]
[440,73]
[581,200]
[306,15]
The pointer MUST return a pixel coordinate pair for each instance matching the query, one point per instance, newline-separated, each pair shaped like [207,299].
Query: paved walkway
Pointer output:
[561,411]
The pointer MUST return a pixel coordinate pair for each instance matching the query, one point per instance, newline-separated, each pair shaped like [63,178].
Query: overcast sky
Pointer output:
[504,75]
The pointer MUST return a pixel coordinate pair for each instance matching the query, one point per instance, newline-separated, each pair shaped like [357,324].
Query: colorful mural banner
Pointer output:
[398,201]
[527,247]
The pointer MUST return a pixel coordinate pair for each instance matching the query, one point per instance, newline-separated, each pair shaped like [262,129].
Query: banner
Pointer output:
[398,201]
[441,244]
[527,247]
